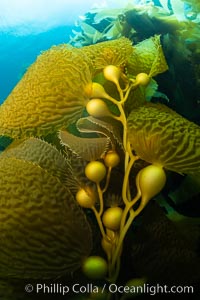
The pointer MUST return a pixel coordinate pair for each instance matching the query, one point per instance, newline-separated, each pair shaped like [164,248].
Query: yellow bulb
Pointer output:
[95,267]
[98,91]
[111,159]
[112,73]
[95,171]
[142,79]
[85,198]
[97,108]
[112,218]
[150,181]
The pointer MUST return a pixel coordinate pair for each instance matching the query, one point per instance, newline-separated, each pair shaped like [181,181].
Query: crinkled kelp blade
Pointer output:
[163,137]
[116,52]
[43,232]
[77,171]
[87,148]
[147,57]
[110,129]
[51,94]
[41,153]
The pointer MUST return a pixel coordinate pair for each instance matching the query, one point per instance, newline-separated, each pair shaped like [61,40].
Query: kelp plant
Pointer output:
[95,97]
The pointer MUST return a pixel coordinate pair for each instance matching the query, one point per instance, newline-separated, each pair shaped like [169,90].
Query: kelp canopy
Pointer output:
[139,19]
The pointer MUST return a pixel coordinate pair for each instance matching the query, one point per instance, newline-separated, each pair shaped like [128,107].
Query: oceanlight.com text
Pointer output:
[151,289]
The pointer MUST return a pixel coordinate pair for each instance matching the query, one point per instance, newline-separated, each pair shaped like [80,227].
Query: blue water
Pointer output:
[18,52]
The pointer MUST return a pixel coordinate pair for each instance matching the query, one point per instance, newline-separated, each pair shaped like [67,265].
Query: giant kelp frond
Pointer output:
[100,25]
[41,153]
[44,233]
[147,57]
[116,52]
[77,171]
[109,128]
[87,148]
[51,94]
[161,136]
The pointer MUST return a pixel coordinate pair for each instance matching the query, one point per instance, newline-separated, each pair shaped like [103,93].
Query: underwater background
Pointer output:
[163,244]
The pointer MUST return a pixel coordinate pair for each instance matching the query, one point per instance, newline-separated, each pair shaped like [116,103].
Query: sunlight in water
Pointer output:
[34,16]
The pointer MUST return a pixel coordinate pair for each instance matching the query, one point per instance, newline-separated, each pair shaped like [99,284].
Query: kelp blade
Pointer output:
[161,136]
[43,232]
[87,148]
[41,153]
[51,94]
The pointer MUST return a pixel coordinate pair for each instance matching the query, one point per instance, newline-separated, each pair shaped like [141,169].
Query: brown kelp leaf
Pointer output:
[147,57]
[41,153]
[159,135]
[136,98]
[115,52]
[46,156]
[52,93]
[77,171]
[87,148]
[43,232]
[109,128]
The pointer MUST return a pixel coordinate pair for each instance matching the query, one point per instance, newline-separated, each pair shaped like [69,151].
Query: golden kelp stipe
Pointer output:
[43,232]
[147,57]
[116,52]
[50,95]
[161,136]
